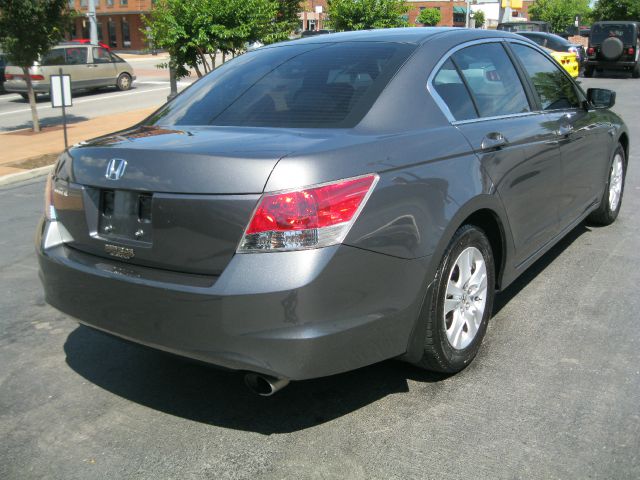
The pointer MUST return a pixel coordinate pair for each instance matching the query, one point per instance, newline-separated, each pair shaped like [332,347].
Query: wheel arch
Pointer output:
[487,213]
[624,141]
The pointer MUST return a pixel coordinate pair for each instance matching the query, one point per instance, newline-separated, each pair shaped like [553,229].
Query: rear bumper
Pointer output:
[295,315]
[20,86]
[617,65]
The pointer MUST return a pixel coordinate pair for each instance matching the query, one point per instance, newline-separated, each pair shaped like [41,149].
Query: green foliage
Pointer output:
[366,14]
[560,14]
[616,10]
[194,31]
[478,18]
[429,17]
[29,28]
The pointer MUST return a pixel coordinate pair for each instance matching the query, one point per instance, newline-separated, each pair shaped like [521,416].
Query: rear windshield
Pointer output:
[325,85]
[623,31]
[520,27]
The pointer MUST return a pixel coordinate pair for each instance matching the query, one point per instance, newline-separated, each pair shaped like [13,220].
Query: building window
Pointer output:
[111,29]
[83,3]
[126,35]
[109,3]
[124,2]
[71,4]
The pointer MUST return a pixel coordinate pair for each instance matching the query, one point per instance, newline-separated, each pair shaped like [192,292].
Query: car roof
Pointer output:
[414,35]
[544,34]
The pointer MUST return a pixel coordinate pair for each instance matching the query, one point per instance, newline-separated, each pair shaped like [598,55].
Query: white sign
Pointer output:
[60,89]
[318,8]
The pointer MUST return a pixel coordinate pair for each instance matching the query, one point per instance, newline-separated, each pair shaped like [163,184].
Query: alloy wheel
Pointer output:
[465,298]
[615,182]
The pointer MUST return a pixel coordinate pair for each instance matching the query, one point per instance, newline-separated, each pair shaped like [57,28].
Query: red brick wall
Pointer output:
[446,12]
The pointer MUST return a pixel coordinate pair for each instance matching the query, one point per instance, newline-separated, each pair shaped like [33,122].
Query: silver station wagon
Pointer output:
[90,66]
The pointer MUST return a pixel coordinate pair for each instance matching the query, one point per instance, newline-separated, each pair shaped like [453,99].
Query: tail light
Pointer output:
[591,51]
[8,76]
[37,77]
[310,217]
[49,209]
[631,51]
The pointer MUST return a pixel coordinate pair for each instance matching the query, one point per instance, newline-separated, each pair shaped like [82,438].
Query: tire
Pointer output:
[635,73]
[124,82]
[588,72]
[448,345]
[25,97]
[608,210]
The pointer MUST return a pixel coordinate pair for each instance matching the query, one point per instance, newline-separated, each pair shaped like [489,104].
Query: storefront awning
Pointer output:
[460,10]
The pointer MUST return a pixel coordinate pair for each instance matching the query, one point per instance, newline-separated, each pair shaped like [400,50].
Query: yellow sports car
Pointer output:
[568,61]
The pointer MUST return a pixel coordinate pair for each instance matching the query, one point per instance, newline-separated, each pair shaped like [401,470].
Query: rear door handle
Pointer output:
[493,141]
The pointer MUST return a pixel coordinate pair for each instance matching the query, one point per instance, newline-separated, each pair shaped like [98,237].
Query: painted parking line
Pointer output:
[86,100]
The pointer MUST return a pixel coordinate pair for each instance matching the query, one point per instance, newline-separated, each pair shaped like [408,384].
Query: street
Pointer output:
[150,89]
[553,393]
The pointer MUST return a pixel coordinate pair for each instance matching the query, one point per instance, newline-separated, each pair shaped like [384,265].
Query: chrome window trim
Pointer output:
[442,104]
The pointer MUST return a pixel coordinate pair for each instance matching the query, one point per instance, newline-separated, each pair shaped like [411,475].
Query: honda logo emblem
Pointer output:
[115,169]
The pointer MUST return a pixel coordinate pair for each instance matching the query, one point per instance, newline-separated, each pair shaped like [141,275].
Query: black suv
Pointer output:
[613,45]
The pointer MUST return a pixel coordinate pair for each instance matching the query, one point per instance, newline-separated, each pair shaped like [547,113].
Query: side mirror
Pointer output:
[601,97]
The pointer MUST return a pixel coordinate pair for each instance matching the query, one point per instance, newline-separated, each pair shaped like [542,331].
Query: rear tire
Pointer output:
[124,82]
[611,200]
[635,73]
[459,305]
[25,97]
[588,72]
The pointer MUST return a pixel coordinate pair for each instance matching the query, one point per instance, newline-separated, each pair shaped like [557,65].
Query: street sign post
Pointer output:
[61,98]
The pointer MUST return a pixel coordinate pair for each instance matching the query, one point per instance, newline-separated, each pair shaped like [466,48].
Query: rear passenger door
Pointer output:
[77,65]
[488,103]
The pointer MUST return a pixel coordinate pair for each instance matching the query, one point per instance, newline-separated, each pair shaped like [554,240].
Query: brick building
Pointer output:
[119,22]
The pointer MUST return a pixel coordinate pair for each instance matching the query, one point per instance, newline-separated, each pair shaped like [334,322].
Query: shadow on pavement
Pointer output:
[49,122]
[204,394]
[503,298]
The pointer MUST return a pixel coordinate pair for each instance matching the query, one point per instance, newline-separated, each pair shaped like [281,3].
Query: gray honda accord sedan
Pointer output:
[319,205]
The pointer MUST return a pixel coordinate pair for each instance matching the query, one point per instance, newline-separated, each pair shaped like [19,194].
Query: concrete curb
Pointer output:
[26,175]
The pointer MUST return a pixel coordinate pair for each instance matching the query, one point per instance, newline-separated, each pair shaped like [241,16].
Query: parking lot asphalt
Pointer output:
[554,392]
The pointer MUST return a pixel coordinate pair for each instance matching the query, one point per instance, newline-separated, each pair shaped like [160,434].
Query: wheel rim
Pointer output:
[124,82]
[465,298]
[615,182]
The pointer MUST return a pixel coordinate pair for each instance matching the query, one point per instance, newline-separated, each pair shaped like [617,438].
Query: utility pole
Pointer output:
[93,26]
[467,18]
[505,11]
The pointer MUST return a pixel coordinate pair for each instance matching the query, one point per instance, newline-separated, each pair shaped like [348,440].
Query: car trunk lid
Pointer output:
[180,202]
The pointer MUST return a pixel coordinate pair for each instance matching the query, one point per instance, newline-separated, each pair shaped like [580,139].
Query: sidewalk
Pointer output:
[24,150]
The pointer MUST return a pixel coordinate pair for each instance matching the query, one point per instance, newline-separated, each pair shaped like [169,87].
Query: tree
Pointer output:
[560,14]
[194,31]
[365,14]
[616,10]
[28,29]
[478,18]
[429,17]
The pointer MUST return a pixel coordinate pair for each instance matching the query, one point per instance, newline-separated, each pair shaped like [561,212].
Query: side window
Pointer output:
[76,55]
[492,80]
[53,57]
[451,89]
[555,90]
[100,55]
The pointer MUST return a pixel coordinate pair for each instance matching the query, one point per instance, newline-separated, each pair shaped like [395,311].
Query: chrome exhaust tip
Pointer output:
[264,385]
